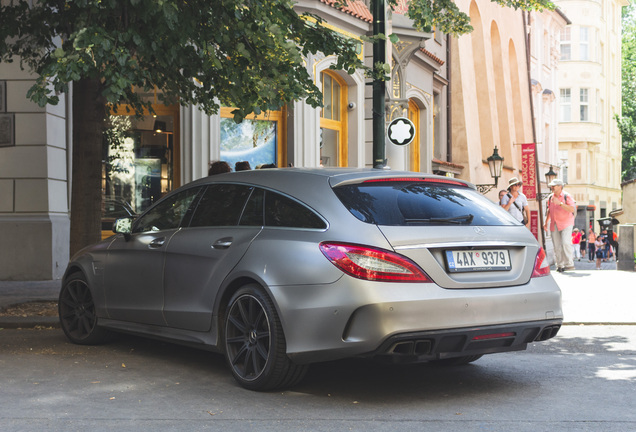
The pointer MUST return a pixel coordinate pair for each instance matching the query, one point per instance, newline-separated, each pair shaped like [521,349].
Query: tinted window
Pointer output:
[420,203]
[281,211]
[220,205]
[167,214]
[253,213]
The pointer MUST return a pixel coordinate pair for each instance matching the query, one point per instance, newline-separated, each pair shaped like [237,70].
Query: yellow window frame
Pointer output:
[339,126]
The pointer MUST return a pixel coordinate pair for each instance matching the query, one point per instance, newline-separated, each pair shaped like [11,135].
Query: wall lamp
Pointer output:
[495,165]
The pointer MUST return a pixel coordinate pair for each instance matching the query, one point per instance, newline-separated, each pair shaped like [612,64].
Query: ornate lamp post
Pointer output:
[549,176]
[495,165]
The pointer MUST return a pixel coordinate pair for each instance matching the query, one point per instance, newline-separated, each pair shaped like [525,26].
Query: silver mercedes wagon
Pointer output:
[280,268]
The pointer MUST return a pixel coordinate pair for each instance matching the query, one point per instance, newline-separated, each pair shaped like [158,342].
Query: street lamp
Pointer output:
[495,165]
[549,176]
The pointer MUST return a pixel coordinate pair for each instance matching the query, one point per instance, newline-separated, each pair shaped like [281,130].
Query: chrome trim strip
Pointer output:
[478,243]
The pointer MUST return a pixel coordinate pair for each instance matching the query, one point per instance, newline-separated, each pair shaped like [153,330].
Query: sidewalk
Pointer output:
[590,296]
[18,292]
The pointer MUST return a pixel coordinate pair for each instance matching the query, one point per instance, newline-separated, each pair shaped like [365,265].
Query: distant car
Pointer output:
[280,268]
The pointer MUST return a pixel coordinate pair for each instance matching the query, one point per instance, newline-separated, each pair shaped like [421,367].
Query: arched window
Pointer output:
[333,121]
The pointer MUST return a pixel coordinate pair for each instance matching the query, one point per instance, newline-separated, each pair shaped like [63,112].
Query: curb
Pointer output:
[28,322]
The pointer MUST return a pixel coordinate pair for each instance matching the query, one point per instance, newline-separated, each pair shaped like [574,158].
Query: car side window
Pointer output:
[253,213]
[221,205]
[167,214]
[281,211]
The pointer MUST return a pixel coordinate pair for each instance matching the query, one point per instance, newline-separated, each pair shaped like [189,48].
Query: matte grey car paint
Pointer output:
[173,283]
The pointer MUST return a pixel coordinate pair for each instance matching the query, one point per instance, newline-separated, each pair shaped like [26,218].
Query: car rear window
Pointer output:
[420,202]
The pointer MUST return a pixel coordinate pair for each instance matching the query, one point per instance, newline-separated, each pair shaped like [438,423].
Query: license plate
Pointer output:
[477,260]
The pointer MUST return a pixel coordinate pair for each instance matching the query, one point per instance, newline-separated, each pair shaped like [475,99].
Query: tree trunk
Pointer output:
[89,113]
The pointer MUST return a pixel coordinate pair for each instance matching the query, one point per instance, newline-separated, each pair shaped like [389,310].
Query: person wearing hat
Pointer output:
[560,222]
[576,244]
[515,202]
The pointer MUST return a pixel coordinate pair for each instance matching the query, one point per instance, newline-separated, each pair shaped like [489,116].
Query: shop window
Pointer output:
[333,125]
[140,160]
[260,140]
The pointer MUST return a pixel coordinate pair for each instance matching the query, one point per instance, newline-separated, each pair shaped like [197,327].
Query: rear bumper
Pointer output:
[436,345]
[357,318]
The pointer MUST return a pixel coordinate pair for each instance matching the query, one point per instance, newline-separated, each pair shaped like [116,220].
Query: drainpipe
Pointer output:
[526,19]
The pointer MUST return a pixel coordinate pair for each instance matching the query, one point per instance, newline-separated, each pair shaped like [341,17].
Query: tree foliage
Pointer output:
[627,122]
[243,53]
[248,54]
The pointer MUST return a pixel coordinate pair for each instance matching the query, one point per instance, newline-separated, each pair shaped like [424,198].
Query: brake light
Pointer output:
[541,264]
[368,263]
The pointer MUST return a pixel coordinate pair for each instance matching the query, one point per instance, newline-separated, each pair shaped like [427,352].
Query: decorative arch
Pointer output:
[481,80]
[353,102]
[505,144]
[421,114]
[515,85]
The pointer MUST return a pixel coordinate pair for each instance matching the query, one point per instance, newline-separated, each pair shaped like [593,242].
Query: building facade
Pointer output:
[144,159]
[589,98]
[491,100]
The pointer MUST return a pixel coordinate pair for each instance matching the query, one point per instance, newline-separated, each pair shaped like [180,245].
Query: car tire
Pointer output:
[457,361]
[76,309]
[254,342]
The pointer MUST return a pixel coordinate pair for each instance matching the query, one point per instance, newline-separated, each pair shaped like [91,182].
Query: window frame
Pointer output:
[565,105]
[340,126]
[584,104]
[565,42]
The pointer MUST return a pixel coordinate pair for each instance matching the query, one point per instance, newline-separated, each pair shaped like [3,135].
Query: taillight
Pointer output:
[541,264]
[368,263]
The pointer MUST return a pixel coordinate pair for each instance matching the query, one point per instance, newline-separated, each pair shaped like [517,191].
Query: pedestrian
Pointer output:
[501,195]
[591,246]
[599,251]
[576,244]
[515,202]
[559,222]
[583,249]
[219,167]
[606,244]
[614,243]
[242,166]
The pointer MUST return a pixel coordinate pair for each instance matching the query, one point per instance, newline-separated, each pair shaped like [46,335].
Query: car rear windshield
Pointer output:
[420,202]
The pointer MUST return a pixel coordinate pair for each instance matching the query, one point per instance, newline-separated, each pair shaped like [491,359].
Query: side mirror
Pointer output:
[123,226]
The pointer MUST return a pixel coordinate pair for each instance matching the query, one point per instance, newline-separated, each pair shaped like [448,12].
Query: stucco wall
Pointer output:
[34,222]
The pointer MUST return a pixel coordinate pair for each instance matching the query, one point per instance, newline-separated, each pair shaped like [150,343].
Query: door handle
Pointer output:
[223,243]
[157,243]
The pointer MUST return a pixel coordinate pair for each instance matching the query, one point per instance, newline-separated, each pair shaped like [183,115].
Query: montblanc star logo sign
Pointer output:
[401,131]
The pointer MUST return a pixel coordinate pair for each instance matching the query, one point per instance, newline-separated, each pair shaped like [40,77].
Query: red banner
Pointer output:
[534,223]
[528,171]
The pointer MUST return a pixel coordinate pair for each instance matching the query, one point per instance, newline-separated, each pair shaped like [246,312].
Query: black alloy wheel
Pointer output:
[76,309]
[255,344]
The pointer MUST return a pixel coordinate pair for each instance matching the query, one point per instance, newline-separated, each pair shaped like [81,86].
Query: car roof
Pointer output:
[334,176]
